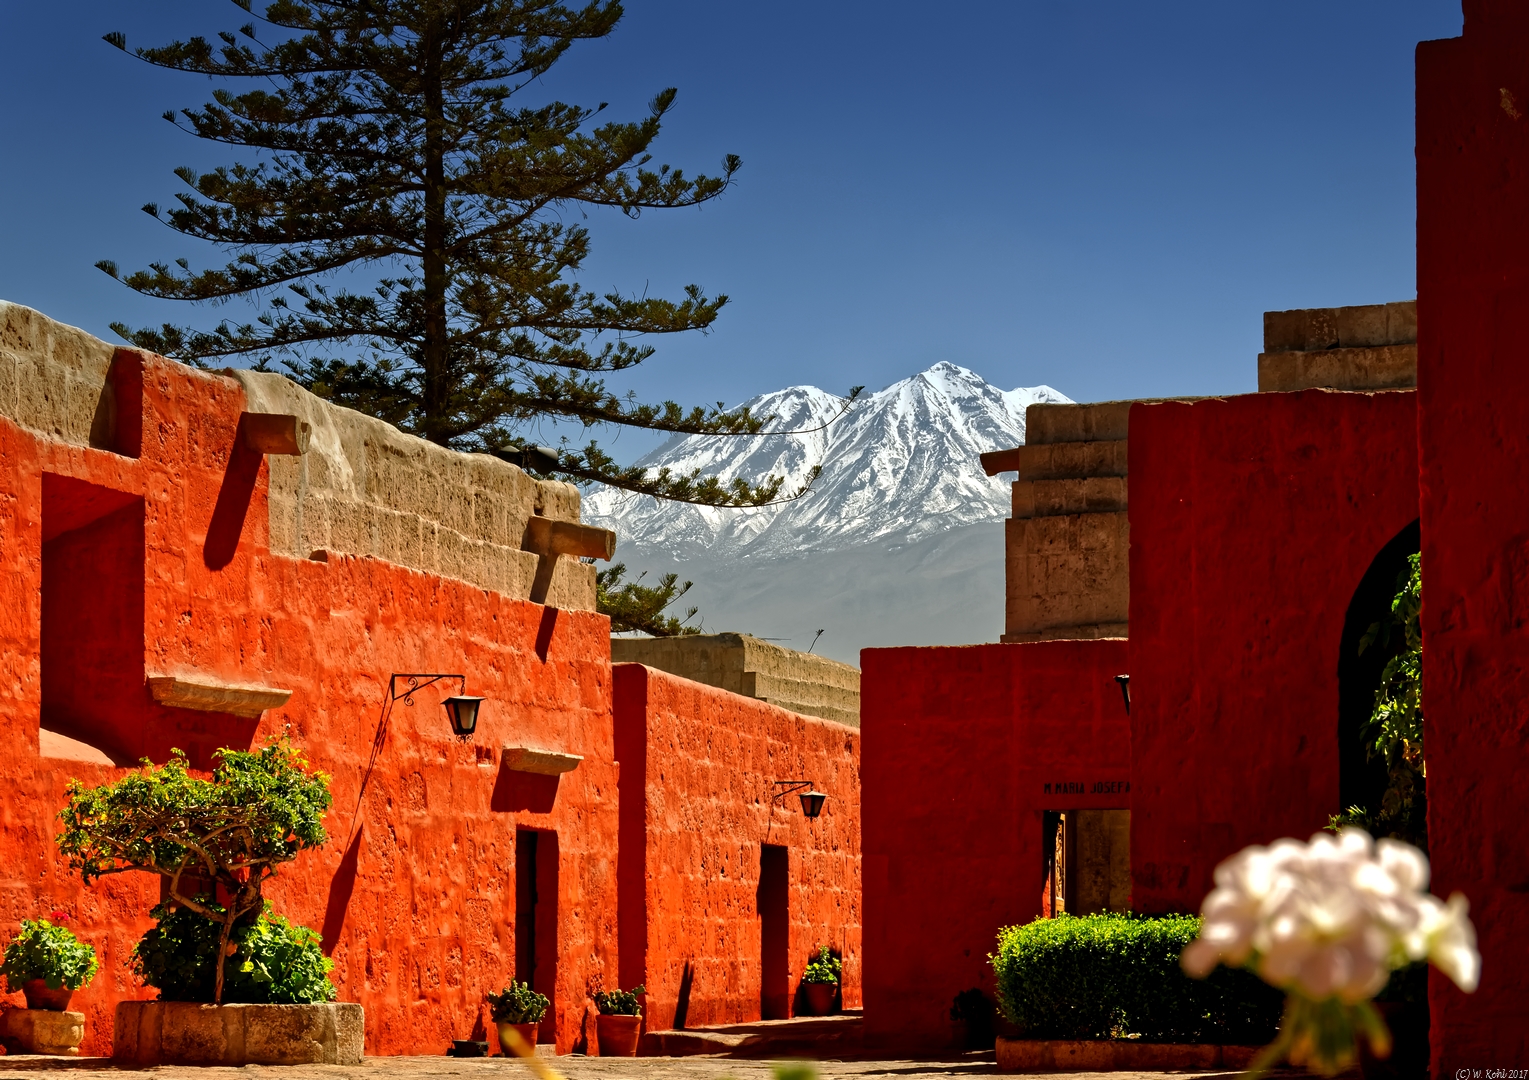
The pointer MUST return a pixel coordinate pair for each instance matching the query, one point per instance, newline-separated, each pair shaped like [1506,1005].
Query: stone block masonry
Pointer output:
[1373,347]
[802,682]
[1066,544]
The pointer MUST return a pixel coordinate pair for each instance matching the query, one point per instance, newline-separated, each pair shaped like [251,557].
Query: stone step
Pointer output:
[1052,423]
[1365,326]
[1384,367]
[1085,495]
[1070,460]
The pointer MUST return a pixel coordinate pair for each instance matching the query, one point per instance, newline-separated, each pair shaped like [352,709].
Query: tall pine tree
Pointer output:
[391,140]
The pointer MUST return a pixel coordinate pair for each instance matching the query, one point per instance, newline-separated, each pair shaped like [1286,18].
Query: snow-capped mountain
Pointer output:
[899,465]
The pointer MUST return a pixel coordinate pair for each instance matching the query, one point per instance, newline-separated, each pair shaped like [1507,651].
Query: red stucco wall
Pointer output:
[1253,520]
[415,893]
[697,772]
[960,745]
[1473,392]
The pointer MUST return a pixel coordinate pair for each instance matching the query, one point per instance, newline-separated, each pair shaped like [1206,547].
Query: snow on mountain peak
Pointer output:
[901,462]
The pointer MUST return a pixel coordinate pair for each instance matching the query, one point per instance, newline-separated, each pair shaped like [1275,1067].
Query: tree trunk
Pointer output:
[433,360]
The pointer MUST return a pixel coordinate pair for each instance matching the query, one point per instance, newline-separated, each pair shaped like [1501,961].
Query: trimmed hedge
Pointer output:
[1110,976]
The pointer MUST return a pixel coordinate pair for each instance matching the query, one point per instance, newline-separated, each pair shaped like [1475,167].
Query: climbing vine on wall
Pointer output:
[1395,730]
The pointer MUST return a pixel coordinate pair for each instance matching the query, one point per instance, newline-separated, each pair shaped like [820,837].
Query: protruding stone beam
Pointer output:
[549,539]
[208,696]
[1000,461]
[529,759]
[275,433]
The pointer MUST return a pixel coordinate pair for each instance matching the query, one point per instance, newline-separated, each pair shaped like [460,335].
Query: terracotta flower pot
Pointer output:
[820,998]
[618,1035]
[40,997]
[527,1033]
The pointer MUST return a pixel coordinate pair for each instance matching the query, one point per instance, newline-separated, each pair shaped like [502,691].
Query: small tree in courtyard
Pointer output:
[225,836]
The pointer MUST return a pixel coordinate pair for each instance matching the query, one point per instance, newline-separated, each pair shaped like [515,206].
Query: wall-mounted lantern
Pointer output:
[461,709]
[812,800]
[1125,690]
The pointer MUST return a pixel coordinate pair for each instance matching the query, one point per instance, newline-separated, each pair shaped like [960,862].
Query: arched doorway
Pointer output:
[1362,780]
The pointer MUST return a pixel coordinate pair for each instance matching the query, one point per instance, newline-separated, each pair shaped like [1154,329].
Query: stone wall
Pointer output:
[120,566]
[698,802]
[1254,521]
[969,748]
[362,488]
[1372,347]
[1066,543]
[1473,424]
[804,683]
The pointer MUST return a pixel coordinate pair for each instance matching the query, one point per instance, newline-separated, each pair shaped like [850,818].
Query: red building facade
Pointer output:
[727,889]
[1473,426]
[966,750]
[137,534]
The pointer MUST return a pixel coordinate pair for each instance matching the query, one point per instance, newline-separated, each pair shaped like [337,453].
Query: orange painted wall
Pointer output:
[696,805]
[415,892]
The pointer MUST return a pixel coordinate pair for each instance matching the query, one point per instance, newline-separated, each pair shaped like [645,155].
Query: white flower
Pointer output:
[1331,918]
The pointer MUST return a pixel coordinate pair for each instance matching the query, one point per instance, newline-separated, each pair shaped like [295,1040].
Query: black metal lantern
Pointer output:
[463,711]
[812,799]
[812,803]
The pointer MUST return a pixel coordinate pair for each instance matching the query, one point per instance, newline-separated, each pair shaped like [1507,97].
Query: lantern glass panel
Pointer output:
[812,803]
[464,714]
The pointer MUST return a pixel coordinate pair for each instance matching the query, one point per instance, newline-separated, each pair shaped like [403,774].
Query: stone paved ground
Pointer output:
[569,1068]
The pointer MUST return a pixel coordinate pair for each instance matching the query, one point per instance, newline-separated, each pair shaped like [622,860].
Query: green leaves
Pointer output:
[43,950]
[633,606]
[390,140]
[260,808]
[517,1004]
[824,967]
[1396,723]
[1109,976]
[619,1002]
[274,962]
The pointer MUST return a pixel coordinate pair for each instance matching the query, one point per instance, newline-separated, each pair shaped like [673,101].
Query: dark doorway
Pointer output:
[1362,779]
[536,872]
[774,932]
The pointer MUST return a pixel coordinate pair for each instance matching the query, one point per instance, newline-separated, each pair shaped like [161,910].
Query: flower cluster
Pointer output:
[1332,918]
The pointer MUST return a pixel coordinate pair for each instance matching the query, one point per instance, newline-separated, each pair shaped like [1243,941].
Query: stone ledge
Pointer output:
[1116,1055]
[186,1033]
[1384,367]
[208,696]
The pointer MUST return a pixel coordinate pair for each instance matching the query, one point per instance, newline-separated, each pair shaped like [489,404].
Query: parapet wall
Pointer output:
[362,488]
[798,681]
[1370,347]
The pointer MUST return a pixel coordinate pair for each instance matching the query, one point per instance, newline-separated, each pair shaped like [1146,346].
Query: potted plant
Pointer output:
[217,841]
[517,1012]
[620,1021]
[820,981]
[47,963]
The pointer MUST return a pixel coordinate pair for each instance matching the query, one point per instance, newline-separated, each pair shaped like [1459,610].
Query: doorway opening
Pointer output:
[774,932]
[1362,779]
[1087,861]
[536,893]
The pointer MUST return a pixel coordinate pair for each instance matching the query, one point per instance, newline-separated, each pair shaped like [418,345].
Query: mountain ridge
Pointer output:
[900,464]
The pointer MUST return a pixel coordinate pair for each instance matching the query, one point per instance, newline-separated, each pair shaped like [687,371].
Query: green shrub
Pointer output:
[517,1004]
[43,950]
[619,1002]
[1109,976]
[824,967]
[275,963]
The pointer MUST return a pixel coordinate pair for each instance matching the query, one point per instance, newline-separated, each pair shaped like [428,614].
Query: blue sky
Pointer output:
[1100,196]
